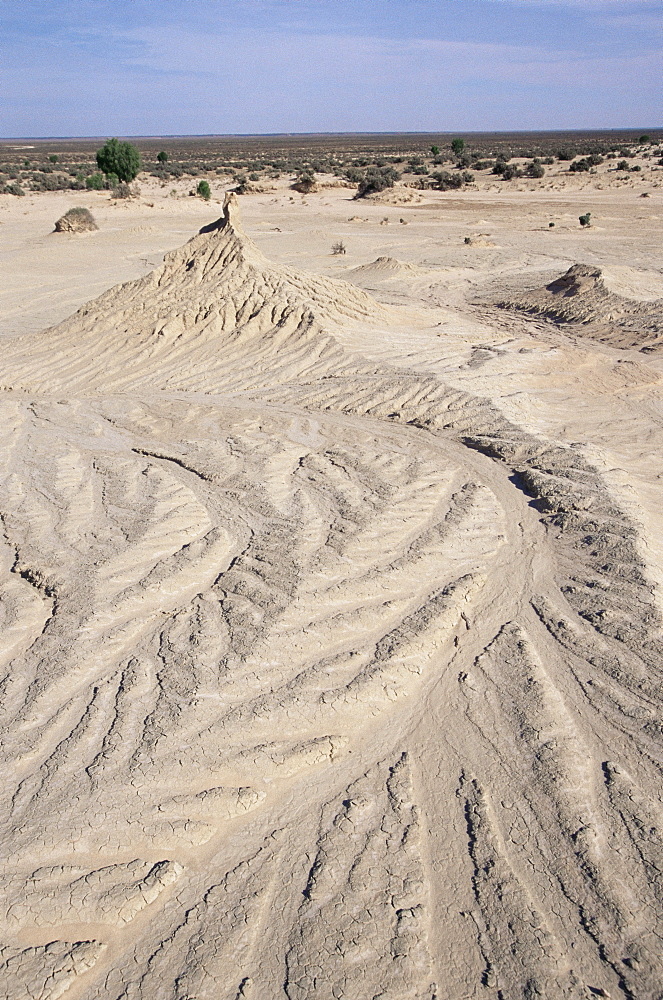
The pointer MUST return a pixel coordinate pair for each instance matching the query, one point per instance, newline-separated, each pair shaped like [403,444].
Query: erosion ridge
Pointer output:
[291,629]
[580,297]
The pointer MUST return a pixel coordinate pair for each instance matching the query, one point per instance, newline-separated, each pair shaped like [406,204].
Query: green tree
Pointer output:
[53,158]
[643,139]
[162,157]
[119,158]
[203,190]
[457,145]
[435,150]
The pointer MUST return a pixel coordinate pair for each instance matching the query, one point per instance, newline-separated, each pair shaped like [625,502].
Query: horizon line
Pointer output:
[286,135]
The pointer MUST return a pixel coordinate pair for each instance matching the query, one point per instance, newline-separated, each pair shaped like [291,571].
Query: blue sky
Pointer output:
[153,67]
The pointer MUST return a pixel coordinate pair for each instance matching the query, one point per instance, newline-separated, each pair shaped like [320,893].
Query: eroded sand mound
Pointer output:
[384,267]
[76,220]
[580,297]
[321,678]
[399,194]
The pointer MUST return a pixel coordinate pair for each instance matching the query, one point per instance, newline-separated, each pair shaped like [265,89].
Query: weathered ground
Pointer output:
[331,608]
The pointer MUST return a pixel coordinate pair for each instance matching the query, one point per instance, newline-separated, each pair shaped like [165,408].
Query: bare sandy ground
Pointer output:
[331,597]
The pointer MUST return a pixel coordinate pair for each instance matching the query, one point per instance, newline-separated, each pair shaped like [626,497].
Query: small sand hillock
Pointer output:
[76,220]
[384,267]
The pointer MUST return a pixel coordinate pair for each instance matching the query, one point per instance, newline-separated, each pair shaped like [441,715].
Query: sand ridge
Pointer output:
[302,618]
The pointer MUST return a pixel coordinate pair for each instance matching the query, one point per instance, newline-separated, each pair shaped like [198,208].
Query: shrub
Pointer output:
[354,175]
[50,182]
[162,157]
[584,219]
[338,248]
[535,170]
[565,154]
[305,183]
[457,145]
[435,150]
[76,220]
[579,166]
[121,190]
[14,189]
[119,158]
[644,139]
[96,182]
[464,161]
[376,179]
[622,165]
[483,164]
[510,171]
[53,158]
[203,190]
[444,181]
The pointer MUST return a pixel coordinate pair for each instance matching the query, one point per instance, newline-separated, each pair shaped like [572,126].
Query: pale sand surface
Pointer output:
[331,599]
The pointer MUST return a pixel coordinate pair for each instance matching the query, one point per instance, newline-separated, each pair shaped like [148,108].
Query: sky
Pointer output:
[199,67]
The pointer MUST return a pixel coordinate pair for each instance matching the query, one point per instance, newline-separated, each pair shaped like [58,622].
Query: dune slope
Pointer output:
[320,677]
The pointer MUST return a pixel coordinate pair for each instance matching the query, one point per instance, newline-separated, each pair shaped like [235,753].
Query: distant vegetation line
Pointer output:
[371,162]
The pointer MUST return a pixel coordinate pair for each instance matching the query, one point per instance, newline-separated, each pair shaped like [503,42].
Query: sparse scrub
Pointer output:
[500,165]
[338,248]
[121,190]
[305,183]
[375,180]
[95,182]
[445,181]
